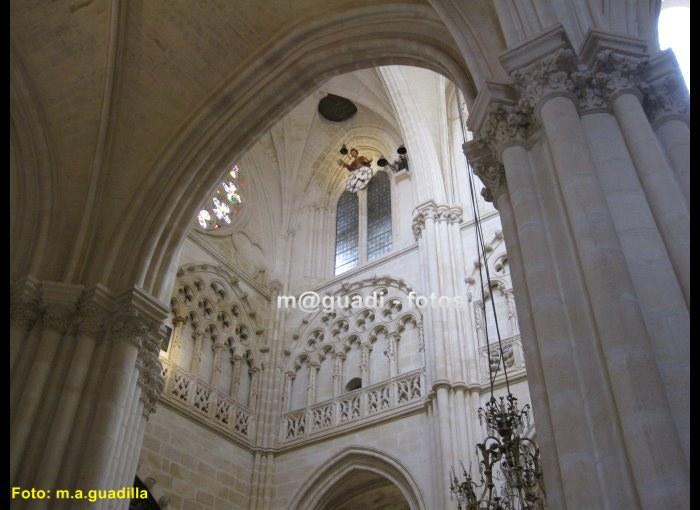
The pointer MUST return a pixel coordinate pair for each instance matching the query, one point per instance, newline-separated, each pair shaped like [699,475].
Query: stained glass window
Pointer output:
[347,235]
[224,204]
[378,216]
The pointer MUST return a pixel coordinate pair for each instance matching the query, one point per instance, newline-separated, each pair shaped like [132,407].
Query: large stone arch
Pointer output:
[191,165]
[354,459]
[32,190]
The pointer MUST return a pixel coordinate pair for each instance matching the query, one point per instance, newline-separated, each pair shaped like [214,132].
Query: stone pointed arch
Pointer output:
[372,460]
[189,167]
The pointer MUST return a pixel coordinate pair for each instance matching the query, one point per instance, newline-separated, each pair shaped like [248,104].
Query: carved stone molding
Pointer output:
[487,168]
[592,79]
[436,213]
[93,320]
[418,225]
[549,76]
[505,124]
[666,99]
[150,378]
[24,311]
[606,77]
[58,317]
[132,326]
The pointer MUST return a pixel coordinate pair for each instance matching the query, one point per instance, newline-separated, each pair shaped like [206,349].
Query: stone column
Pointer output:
[392,340]
[93,313]
[287,392]
[424,230]
[667,104]
[176,342]
[621,76]
[430,227]
[235,375]
[219,349]
[254,382]
[311,386]
[197,336]
[338,359]
[365,350]
[59,302]
[590,355]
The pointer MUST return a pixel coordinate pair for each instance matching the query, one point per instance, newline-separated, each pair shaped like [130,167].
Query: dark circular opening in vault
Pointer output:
[336,108]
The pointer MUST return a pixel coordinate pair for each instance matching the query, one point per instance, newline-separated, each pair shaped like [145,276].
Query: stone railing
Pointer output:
[200,399]
[350,407]
[512,358]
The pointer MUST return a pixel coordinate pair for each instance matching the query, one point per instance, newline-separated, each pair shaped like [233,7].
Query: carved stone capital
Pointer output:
[505,124]
[491,173]
[24,311]
[418,225]
[455,215]
[549,76]
[132,326]
[610,75]
[423,213]
[93,320]
[58,317]
[666,99]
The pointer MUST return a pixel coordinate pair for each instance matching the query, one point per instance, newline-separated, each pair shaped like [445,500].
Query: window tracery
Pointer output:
[226,201]
[213,362]
[378,216]
[347,238]
[376,234]
[354,362]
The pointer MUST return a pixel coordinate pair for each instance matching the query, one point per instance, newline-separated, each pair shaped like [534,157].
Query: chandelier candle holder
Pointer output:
[510,472]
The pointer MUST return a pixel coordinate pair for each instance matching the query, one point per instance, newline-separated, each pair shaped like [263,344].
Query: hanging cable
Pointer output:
[481,255]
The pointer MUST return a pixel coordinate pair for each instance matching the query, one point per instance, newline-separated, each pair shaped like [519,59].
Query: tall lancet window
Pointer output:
[347,234]
[378,216]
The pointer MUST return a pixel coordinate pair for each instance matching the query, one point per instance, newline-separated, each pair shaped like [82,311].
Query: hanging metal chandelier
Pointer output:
[510,472]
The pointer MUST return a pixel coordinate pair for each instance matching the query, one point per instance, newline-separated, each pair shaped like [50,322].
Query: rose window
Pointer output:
[224,204]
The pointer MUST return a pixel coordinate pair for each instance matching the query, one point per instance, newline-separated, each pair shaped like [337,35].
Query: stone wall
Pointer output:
[405,440]
[194,467]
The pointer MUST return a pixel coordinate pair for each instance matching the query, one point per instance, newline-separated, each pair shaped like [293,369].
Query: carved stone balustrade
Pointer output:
[355,408]
[201,400]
